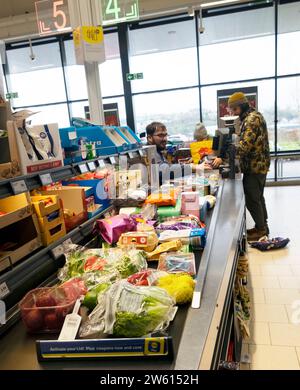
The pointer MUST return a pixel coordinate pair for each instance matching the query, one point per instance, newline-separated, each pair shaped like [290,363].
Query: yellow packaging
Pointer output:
[146,241]
[200,149]
[169,246]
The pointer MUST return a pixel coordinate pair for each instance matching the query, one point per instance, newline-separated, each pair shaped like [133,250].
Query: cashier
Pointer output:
[157,135]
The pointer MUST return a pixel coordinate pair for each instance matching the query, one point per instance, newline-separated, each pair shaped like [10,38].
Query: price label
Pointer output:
[4,290]
[141,153]
[60,250]
[112,160]
[101,163]
[131,155]
[92,166]
[46,179]
[83,168]
[18,187]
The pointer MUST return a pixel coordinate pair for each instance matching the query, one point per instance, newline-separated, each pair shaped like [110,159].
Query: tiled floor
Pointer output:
[274,285]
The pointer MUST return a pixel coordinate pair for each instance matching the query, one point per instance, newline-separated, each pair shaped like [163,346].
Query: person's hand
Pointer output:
[217,162]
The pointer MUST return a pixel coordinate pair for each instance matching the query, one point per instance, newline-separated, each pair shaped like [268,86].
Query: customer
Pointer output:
[254,154]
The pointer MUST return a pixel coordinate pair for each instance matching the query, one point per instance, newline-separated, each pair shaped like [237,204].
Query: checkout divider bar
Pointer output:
[200,282]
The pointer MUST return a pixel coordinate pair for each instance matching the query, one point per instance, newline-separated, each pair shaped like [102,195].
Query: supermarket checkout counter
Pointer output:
[201,336]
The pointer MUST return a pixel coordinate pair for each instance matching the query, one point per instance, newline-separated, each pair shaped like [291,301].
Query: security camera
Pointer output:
[32,56]
[201,29]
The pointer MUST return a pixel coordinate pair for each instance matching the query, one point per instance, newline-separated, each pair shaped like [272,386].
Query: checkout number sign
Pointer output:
[117,11]
[52,16]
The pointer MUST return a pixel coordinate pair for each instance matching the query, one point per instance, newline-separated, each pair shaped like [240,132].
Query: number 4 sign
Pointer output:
[117,11]
[52,16]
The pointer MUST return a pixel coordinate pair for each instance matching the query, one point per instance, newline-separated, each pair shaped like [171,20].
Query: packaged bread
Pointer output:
[169,246]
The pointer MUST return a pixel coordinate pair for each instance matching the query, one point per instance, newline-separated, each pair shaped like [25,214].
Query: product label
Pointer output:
[83,168]
[72,135]
[46,179]
[101,163]
[4,290]
[135,240]
[92,166]
[18,187]
[130,302]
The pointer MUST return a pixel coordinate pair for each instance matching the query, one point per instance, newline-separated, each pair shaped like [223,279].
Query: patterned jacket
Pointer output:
[253,147]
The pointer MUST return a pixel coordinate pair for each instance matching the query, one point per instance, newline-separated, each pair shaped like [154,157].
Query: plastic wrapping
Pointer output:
[179,286]
[146,240]
[174,245]
[115,262]
[176,262]
[112,228]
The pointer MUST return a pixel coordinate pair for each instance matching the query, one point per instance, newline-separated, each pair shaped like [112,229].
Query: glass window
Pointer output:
[266,98]
[37,81]
[288,113]
[110,71]
[288,168]
[78,108]
[56,113]
[288,38]
[238,46]
[166,55]
[75,75]
[178,110]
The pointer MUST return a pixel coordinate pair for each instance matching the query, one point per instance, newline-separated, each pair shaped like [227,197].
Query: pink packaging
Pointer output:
[112,228]
[190,203]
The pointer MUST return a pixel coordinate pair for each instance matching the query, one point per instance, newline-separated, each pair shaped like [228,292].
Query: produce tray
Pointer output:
[152,347]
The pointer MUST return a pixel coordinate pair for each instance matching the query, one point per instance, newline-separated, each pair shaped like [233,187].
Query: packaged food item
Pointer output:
[136,311]
[112,228]
[43,310]
[163,198]
[179,223]
[113,261]
[211,200]
[177,262]
[91,298]
[170,235]
[165,247]
[74,288]
[148,277]
[146,241]
[190,204]
[179,286]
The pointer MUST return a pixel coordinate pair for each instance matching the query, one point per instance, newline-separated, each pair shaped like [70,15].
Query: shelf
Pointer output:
[31,182]
[32,271]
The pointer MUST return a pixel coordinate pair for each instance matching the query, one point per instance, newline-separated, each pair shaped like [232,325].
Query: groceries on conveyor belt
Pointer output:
[131,286]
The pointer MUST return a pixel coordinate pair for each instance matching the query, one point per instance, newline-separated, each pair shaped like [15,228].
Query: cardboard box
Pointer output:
[73,201]
[54,233]
[25,234]
[45,224]
[41,208]
[16,208]
[32,156]
[11,168]
[98,189]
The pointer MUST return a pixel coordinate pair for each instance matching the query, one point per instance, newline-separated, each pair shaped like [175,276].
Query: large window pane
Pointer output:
[178,110]
[75,75]
[289,38]
[56,113]
[266,98]
[238,46]
[166,55]
[110,71]
[289,113]
[37,81]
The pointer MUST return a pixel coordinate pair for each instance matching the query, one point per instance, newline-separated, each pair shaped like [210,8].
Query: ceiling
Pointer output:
[21,7]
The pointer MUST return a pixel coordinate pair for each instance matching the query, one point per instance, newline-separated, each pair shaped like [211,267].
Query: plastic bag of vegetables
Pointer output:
[135,311]
[80,261]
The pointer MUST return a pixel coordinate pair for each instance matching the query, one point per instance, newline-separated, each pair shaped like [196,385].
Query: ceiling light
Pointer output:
[220,2]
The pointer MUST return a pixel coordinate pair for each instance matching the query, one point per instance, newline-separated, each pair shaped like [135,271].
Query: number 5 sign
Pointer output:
[52,16]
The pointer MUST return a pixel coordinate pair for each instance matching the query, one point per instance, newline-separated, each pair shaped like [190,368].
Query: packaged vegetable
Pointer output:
[176,262]
[174,245]
[136,311]
[112,228]
[146,241]
[146,278]
[91,298]
[179,286]
[116,262]
[179,223]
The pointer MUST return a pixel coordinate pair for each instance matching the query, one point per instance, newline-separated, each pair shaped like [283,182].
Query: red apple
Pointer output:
[51,321]
[33,319]
[45,300]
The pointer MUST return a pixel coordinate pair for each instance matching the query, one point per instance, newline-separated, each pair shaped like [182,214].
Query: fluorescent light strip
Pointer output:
[221,2]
